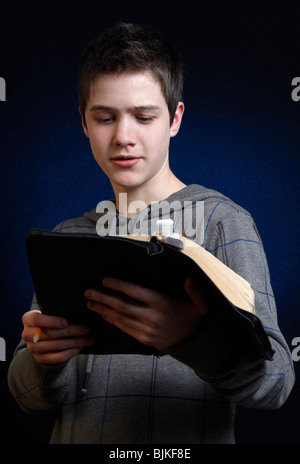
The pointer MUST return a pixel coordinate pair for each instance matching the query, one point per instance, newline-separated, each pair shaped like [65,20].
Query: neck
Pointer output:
[130,201]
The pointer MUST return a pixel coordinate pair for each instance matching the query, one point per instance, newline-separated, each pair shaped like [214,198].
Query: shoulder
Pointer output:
[222,216]
[216,204]
[82,224]
[218,207]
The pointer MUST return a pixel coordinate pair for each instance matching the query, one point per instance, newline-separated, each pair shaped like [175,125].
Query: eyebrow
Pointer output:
[134,108]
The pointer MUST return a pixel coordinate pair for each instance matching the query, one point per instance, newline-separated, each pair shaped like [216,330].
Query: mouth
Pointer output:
[125,161]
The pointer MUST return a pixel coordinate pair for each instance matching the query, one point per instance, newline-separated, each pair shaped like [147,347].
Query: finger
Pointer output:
[72,330]
[137,292]
[135,319]
[133,326]
[109,306]
[96,296]
[60,344]
[113,305]
[35,318]
[28,317]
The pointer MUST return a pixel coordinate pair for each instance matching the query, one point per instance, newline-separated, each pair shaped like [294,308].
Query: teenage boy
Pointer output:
[130,86]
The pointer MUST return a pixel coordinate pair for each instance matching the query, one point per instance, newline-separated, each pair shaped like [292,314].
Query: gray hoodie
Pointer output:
[189,395]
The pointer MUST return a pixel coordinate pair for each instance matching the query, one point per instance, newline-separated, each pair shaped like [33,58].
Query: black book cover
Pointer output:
[64,265]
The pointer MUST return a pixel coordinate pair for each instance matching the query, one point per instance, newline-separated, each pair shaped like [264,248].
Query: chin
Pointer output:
[128,183]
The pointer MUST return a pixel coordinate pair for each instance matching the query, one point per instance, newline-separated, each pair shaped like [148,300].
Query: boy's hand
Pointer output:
[58,342]
[151,317]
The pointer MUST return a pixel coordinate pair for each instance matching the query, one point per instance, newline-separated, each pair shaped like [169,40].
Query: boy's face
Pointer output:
[128,124]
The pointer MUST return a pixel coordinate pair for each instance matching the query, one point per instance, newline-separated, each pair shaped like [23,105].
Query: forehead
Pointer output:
[126,89]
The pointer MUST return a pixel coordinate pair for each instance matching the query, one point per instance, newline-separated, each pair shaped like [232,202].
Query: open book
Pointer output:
[64,265]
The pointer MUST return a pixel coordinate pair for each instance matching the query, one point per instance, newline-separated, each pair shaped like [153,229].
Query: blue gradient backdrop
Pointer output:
[240,135]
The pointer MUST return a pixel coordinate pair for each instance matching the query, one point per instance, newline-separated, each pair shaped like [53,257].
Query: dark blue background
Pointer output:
[240,135]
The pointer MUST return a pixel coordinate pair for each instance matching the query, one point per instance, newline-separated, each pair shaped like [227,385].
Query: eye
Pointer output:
[144,119]
[104,120]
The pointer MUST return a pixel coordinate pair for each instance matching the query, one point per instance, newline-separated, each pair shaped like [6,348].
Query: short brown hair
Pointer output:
[131,47]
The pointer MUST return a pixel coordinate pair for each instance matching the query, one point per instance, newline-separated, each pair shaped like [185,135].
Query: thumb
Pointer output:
[195,294]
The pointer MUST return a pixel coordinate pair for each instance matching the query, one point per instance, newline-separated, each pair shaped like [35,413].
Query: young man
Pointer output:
[130,86]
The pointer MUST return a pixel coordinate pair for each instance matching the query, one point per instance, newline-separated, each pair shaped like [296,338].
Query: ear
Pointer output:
[177,119]
[84,126]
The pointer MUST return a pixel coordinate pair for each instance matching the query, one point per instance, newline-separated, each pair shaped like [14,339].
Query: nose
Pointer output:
[123,133]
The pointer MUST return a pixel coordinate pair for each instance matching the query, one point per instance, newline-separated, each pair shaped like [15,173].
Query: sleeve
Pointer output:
[37,387]
[240,376]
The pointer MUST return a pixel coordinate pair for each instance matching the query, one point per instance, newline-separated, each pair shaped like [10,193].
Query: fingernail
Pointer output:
[105,281]
[63,323]
[90,304]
